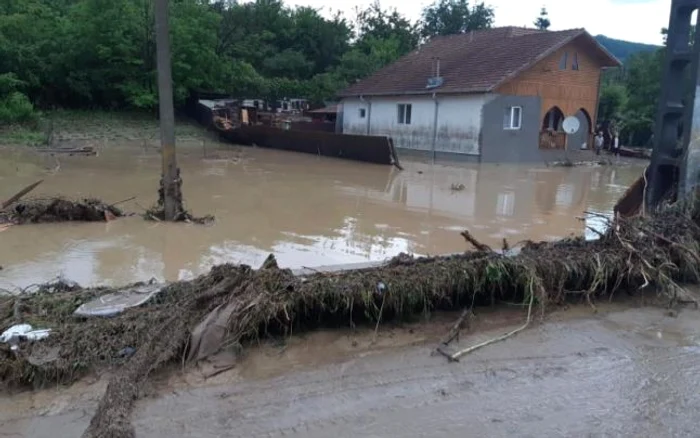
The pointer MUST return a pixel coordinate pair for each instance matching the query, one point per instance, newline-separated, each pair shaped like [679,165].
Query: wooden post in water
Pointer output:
[170,188]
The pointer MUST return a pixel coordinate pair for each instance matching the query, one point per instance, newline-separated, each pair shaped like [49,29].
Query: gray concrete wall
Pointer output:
[511,146]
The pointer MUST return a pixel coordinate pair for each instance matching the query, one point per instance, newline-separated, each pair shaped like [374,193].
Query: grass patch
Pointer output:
[22,136]
[66,126]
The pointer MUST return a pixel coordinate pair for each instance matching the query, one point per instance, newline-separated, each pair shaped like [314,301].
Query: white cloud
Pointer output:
[632,20]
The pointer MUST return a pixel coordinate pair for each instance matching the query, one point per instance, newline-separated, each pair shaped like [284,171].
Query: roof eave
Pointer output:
[427,92]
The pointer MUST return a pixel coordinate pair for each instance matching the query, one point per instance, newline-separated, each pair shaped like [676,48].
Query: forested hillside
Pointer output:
[624,49]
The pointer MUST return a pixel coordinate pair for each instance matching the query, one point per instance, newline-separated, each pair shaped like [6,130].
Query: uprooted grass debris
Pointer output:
[58,210]
[654,251]
[157,211]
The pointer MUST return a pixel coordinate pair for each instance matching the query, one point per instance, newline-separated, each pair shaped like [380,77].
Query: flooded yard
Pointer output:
[308,211]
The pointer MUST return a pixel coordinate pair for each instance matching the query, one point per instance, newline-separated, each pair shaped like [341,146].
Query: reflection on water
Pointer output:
[307,210]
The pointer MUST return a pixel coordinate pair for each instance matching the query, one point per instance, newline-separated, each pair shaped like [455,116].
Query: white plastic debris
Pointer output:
[115,303]
[21,332]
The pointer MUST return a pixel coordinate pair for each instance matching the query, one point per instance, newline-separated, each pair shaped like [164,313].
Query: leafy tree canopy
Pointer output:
[448,17]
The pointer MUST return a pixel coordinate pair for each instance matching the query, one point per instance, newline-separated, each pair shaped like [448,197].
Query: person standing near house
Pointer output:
[616,145]
[598,142]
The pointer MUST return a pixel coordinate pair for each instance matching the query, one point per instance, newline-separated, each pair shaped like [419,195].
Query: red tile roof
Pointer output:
[474,62]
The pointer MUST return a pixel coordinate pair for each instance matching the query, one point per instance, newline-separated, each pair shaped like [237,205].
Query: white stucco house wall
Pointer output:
[411,120]
[444,98]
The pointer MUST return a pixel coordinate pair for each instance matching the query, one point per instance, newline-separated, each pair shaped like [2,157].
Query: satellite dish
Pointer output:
[571,125]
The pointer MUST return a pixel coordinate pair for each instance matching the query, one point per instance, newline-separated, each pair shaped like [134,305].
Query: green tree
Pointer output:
[15,106]
[373,55]
[613,102]
[643,85]
[448,17]
[375,24]
[101,53]
[542,22]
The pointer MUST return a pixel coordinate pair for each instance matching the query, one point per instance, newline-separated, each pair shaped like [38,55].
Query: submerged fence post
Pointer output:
[170,196]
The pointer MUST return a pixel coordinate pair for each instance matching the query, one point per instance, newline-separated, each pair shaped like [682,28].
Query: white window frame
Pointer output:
[511,112]
[404,113]
[362,112]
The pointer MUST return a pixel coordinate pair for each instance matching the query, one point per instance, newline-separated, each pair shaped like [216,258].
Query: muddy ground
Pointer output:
[627,371]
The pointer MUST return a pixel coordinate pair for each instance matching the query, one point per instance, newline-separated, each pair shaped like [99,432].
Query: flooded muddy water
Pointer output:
[627,371]
[307,210]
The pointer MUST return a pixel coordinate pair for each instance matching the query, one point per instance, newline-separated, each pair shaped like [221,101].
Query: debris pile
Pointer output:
[157,212]
[236,304]
[34,211]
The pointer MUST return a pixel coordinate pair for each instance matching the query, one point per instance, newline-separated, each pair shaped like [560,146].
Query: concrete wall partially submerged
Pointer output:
[458,121]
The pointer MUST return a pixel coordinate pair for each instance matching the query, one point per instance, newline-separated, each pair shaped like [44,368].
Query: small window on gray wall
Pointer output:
[574,62]
[363,113]
[512,117]
[564,61]
[404,113]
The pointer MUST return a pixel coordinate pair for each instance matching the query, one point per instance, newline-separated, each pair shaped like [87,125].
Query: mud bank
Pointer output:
[624,373]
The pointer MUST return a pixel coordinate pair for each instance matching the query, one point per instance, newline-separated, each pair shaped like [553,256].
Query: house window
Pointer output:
[512,117]
[574,63]
[404,113]
[564,61]
[363,113]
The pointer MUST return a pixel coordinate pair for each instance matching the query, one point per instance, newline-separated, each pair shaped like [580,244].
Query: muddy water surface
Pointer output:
[307,210]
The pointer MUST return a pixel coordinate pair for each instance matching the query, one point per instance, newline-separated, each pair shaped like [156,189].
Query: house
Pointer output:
[496,95]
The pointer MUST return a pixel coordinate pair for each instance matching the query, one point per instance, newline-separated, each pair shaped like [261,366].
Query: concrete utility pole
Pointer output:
[675,161]
[170,195]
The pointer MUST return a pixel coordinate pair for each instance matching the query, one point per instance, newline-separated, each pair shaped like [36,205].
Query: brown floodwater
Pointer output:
[307,210]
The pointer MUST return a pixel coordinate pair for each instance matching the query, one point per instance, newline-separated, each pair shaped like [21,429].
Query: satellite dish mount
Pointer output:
[570,125]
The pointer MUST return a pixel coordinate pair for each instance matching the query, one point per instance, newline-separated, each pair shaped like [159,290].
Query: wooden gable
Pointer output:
[568,89]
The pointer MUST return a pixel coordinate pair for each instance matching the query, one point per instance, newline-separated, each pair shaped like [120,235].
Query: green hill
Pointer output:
[623,49]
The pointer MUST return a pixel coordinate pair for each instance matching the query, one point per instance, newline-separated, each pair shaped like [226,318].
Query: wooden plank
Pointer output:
[21,193]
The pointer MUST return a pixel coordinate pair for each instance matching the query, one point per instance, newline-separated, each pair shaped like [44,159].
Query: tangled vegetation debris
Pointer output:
[58,209]
[157,212]
[635,253]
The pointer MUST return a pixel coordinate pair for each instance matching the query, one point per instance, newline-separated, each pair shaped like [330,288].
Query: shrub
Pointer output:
[16,108]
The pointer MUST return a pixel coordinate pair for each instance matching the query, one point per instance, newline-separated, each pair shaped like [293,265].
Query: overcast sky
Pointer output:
[632,20]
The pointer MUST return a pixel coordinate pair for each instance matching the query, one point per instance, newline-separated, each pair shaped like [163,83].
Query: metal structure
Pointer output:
[675,162]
